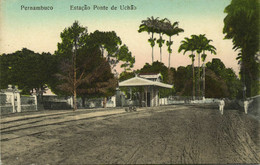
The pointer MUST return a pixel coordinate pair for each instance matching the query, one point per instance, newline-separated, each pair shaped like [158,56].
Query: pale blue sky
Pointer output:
[40,30]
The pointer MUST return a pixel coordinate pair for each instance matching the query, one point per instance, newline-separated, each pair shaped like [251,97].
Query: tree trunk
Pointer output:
[160,49]
[152,49]
[204,85]
[199,75]
[193,81]
[160,54]
[75,101]
[74,86]
[74,78]
[169,60]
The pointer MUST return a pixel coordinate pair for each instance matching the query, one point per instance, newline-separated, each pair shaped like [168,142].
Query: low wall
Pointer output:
[28,107]
[56,105]
[6,109]
[56,102]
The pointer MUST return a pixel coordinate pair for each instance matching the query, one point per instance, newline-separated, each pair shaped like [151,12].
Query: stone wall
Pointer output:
[12,102]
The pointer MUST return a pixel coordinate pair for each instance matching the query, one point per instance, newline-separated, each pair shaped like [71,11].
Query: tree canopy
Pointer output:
[220,81]
[86,61]
[93,72]
[241,24]
[27,69]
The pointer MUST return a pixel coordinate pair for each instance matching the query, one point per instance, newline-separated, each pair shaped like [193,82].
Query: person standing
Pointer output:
[246,104]
[221,106]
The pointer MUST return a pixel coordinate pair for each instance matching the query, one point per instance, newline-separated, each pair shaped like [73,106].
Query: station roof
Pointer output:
[138,81]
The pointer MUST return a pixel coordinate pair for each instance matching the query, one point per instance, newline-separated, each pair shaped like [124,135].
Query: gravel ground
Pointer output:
[178,134]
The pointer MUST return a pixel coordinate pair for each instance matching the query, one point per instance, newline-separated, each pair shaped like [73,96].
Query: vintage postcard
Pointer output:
[129,82]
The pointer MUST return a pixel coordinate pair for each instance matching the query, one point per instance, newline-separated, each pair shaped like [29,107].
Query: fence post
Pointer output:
[18,97]
[35,101]
[113,98]
[12,99]
[70,101]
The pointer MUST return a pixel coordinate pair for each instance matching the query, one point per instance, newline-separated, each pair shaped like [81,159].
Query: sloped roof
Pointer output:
[148,76]
[138,81]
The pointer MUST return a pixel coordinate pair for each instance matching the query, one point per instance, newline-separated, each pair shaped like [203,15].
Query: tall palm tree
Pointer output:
[161,28]
[171,30]
[150,26]
[196,42]
[212,50]
[241,24]
[201,44]
[188,45]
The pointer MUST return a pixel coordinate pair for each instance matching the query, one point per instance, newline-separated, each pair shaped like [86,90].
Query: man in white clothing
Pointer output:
[246,104]
[221,106]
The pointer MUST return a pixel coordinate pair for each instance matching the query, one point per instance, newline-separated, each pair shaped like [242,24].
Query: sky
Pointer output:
[40,30]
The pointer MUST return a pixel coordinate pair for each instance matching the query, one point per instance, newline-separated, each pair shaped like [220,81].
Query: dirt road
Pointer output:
[163,135]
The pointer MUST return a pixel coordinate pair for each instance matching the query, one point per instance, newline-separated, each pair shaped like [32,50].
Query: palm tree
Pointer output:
[188,45]
[196,42]
[212,50]
[171,30]
[201,44]
[161,28]
[150,26]
[241,25]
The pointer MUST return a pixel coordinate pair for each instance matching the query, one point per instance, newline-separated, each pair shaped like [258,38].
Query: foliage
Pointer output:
[199,44]
[27,69]
[216,86]
[126,75]
[183,80]
[158,67]
[220,81]
[72,42]
[85,62]
[150,26]
[228,75]
[111,48]
[160,29]
[171,30]
[241,24]
[93,73]
[155,25]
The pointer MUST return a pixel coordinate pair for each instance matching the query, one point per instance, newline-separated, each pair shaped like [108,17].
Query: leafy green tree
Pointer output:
[94,76]
[28,70]
[216,85]
[241,24]
[156,67]
[183,80]
[227,75]
[72,41]
[100,81]
[126,75]
[171,30]
[150,26]
[111,48]
[89,59]
[221,81]
[5,70]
